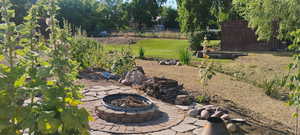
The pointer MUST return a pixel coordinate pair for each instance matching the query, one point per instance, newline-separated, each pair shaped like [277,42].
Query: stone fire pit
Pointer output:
[127,108]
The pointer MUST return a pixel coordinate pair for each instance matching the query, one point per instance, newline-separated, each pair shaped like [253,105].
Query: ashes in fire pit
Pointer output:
[127,108]
[129,102]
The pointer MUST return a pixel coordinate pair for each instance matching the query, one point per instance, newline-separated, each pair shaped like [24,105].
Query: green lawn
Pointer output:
[160,48]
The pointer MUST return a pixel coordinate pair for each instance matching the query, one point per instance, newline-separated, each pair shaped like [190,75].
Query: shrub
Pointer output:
[86,52]
[26,72]
[141,52]
[118,62]
[185,56]
[195,41]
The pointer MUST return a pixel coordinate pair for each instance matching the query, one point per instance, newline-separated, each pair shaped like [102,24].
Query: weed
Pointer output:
[202,99]
[271,87]
[141,52]
[185,56]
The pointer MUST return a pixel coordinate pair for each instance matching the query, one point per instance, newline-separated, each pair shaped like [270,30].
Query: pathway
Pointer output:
[173,122]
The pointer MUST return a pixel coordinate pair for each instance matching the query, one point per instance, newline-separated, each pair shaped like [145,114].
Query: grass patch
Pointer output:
[162,48]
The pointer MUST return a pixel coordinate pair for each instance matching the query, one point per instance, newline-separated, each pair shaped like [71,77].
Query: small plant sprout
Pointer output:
[141,52]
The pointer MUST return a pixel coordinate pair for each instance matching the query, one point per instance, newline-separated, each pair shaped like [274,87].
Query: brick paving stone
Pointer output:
[200,123]
[125,88]
[89,98]
[112,87]
[189,120]
[184,108]
[187,133]
[107,127]
[197,131]
[92,94]
[184,128]
[165,132]
[122,129]
[99,133]
[115,128]
[98,87]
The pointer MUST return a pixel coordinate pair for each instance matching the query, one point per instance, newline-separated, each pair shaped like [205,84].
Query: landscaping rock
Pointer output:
[136,77]
[217,114]
[231,127]
[193,113]
[225,117]
[205,115]
[168,62]
[183,100]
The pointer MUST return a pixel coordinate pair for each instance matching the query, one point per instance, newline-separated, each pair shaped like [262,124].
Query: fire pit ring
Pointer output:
[107,102]
[127,108]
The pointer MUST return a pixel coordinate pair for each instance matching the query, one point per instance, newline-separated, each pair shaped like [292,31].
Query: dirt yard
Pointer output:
[244,98]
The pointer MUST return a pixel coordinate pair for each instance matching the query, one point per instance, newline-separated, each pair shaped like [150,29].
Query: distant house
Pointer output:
[236,36]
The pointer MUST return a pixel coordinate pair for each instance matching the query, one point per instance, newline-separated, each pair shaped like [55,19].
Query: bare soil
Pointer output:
[267,115]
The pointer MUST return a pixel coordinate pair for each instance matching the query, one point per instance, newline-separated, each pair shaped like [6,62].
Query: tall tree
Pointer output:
[197,15]
[144,12]
[270,18]
[169,17]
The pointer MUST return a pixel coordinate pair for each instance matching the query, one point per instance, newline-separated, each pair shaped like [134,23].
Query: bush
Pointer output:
[141,52]
[86,52]
[118,62]
[196,40]
[185,56]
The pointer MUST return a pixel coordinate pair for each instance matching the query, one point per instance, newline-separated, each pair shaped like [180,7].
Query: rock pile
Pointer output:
[204,112]
[169,62]
[164,89]
[207,111]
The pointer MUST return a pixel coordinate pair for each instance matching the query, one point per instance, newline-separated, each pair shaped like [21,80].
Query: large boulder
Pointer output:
[134,77]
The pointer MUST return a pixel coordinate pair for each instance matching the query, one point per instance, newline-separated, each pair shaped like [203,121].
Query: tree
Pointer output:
[169,17]
[81,13]
[197,15]
[143,13]
[270,18]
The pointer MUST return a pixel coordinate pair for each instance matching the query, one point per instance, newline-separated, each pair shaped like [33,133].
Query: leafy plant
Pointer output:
[202,99]
[271,87]
[195,41]
[206,73]
[118,61]
[86,51]
[185,56]
[40,67]
[141,52]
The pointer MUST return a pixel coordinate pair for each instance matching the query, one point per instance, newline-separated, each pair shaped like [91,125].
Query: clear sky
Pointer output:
[171,3]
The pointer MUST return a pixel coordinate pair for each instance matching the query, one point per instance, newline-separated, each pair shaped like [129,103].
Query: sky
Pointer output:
[171,3]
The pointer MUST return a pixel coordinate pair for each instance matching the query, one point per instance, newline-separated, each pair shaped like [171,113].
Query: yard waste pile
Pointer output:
[164,89]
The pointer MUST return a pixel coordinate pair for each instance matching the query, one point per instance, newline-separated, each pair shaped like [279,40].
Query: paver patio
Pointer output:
[172,122]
